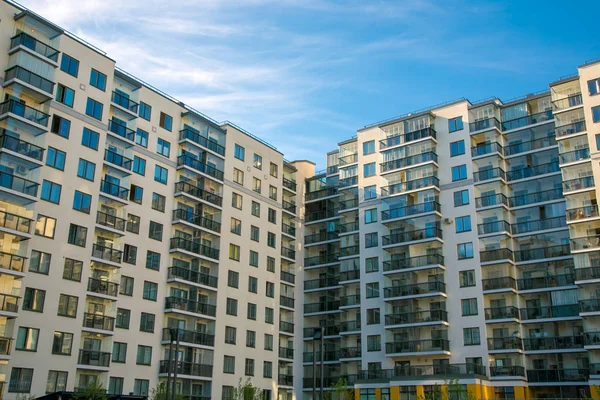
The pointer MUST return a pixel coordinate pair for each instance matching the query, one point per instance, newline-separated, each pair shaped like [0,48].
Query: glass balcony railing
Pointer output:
[186,336]
[101,286]
[403,237]
[12,262]
[484,124]
[94,358]
[410,210]
[284,379]
[194,247]
[530,172]
[417,371]
[505,343]
[486,148]
[24,111]
[568,310]
[32,43]
[5,345]
[189,275]
[589,305]
[201,140]
[324,258]
[558,375]
[287,276]
[9,303]
[288,229]
[350,352]
[186,368]
[408,161]
[413,262]
[289,184]
[15,222]
[349,251]
[350,301]
[35,80]
[286,301]
[553,343]
[349,227]
[491,200]
[417,346]
[587,242]
[407,138]
[107,253]
[288,253]
[288,206]
[414,289]
[96,321]
[332,169]
[573,156]
[200,166]
[349,159]
[202,194]
[199,220]
[347,204]
[114,190]
[505,282]
[410,185]
[110,221]
[125,102]
[589,273]
[320,237]
[317,215]
[286,352]
[318,194]
[537,197]
[527,120]
[542,252]
[487,174]
[417,317]
[510,370]
[573,100]
[12,143]
[349,275]
[178,303]
[496,255]
[117,159]
[121,130]
[350,181]
[18,184]
[542,282]
[575,214]
[350,326]
[286,326]
[323,306]
[570,129]
[539,225]
[492,227]
[508,312]
[536,144]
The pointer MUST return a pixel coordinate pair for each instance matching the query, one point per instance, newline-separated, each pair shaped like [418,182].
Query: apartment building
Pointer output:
[456,249]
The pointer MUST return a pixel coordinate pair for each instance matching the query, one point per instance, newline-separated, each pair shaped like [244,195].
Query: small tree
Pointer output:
[340,391]
[93,391]
[23,396]
[246,391]
[160,393]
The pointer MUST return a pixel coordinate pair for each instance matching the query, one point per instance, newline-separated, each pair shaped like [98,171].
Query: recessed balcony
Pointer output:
[320,194]
[195,164]
[507,372]
[286,301]
[104,254]
[539,225]
[111,223]
[504,344]
[348,228]
[25,115]
[409,186]
[322,236]
[532,145]
[193,247]
[349,159]
[288,229]
[585,243]
[114,192]
[9,305]
[532,172]
[577,184]
[34,85]
[22,190]
[488,175]
[329,330]
[492,200]
[413,263]
[409,161]
[410,211]
[121,132]
[322,307]
[350,301]
[188,217]
[189,306]
[321,260]
[558,375]
[326,282]
[99,323]
[502,284]
[496,256]
[484,125]
[541,253]
[575,156]
[347,182]
[417,318]
[291,207]
[419,371]
[537,197]
[198,194]
[103,287]
[546,282]
[328,356]
[588,274]
[124,104]
[494,228]
[118,161]
[532,119]
[542,344]
[194,277]
[427,234]
[202,141]
[574,100]
[348,204]
[15,224]
[502,314]
[93,358]
[564,131]
[406,138]
[562,312]
[582,213]
[286,327]
[190,337]
[186,369]
[349,326]
[426,289]
[23,41]
[25,151]
[12,264]
[486,149]
[418,347]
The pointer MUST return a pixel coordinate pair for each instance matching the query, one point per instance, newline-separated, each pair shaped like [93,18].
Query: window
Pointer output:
[236,201]
[230,335]
[33,300]
[596,114]
[144,355]
[272,192]
[271,239]
[139,165]
[62,344]
[115,386]
[90,138]
[461,198]
[257,162]
[367,394]
[256,185]
[98,79]
[250,338]
[20,380]
[270,289]
[254,233]
[61,126]
[86,169]
[238,176]
[166,121]
[69,65]
[147,322]
[373,316]
[77,235]
[372,290]
[57,381]
[372,264]
[55,158]
[45,226]
[471,336]
[229,365]
[369,169]
[251,312]
[150,291]
[267,369]
[122,320]
[231,307]
[270,264]
[158,202]
[370,192]
[467,278]
[236,226]
[273,170]
[144,111]
[136,194]
[374,343]
[234,252]
[255,209]
[269,315]
[465,250]
[268,342]
[67,306]
[371,240]
[82,202]
[272,215]
[239,152]
[457,148]
[463,224]
[27,339]
[141,387]
[141,137]
[233,279]
[459,173]
[66,96]
[597,142]
[368,147]
[163,147]
[133,223]
[370,216]
[72,270]
[155,231]
[126,287]
[153,260]
[455,124]
[249,367]
[594,86]
[39,262]
[469,307]
[160,174]
[129,254]
[253,259]
[94,109]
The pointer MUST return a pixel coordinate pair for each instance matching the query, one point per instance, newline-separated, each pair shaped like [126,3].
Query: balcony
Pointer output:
[553,343]
[498,284]
[350,352]
[350,301]
[585,243]
[41,86]
[122,131]
[562,250]
[418,262]
[198,220]
[94,358]
[29,42]
[349,181]
[194,277]
[287,277]
[487,148]
[322,283]
[9,303]
[574,156]
[418,371]
[181,304]
[195,137]
[412,236]
[324,306]
[491,200]
[349,251]
[530,172]
[110,221]
[489,174]
[349,227]
[531,145]
[505,343]
[288,206]
[318,237]
[562,311]
[18,184]
[349,159]
[528,120]
[29,114]
[573,100]
[331,170]
[589,273]
[578,184]
[349,326]
[5,346]
[330,330]
[484,124]
[328,355]
[558,375]
[494,227]
[289,184]
[117,159]
[592,339]
[107,253]
[15,223]
[12,262]
[511,370]
[194,191]
[539,225]
[21,147]
[428,317]
[501,313]
[408,161]
[286,301]
[287,327]
[114,190]
[179,243]
[285,380]
[285,352]
[99,322]
[407,138]
[189,161]
[570,129]
[408,186]
[418,346]
[494,255]
[323,258]
[543,282]
[412,210]
[124,102]
[418,289]
[348,204]
[350,275]
[537,197]
[319,194]
[100,286]
[589,306]
[187,368]
[288,229]
[582,213]
[288,253]
[193,337]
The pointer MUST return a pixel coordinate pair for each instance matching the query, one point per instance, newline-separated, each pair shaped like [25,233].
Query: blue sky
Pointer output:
[306,74]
